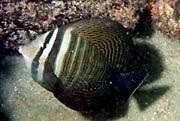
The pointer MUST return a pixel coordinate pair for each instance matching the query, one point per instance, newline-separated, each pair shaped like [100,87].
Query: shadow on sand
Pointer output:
[4,70]
[115,107]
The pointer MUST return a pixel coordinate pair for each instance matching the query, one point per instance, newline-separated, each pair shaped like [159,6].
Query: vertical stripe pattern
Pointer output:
[78,58]
[35,63]
[62,51]
[45,54]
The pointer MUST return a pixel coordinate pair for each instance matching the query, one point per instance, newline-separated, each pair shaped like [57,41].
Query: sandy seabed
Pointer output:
[158,99]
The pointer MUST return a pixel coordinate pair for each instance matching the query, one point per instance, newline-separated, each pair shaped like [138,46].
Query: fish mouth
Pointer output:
[20,50]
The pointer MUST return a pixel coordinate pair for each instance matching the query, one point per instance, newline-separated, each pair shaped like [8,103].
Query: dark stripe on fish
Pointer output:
[35,62]
[48,73]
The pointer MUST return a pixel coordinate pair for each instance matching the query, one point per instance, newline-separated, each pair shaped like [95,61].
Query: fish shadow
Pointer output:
[4,116]
[5,68]
[4,65]
[147,97]
[117,107]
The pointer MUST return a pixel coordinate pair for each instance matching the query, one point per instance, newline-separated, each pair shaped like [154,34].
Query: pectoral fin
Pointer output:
[126,84]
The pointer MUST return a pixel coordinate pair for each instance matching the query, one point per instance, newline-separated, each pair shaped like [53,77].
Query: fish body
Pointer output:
[79,62]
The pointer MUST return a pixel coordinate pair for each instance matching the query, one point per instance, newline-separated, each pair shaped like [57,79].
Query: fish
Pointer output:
[81,61]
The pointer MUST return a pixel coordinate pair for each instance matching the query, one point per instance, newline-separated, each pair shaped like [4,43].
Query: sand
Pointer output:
[158,99]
